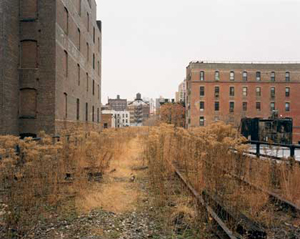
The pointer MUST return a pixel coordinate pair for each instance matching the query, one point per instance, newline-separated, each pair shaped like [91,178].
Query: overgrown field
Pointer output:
[204,156]
[40,179]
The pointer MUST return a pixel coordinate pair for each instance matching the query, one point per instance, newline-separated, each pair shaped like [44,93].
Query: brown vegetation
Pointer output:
[39,176]
[204,155]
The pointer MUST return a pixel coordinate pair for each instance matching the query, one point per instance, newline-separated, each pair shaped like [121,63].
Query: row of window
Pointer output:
[245,76]
[66,30]
[86,112]
[244,106]
[245,91]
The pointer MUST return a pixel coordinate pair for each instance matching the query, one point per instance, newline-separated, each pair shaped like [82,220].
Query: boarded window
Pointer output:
[28,103]
[66,105]
[78,74]
[88,22]
[29,54]
[87,82]
[66,21]
[28,9]
[66,64]
[79,38]
[77,109]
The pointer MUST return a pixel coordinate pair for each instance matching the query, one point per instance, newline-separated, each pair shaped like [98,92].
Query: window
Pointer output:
[98,44]
[93,87]
[245,76]
[217,118]
[272,92]
[258,91]
[79,7]
[202,75]
[77,109]
[217,105]
[258,106]
[28,103]
[287,106]
[66,64]
[98,68]
[86,111]
[87,51]
[93,113]
[88,22]
[287,91]
[93,61]
[287,77]
[87,82]
[66,105]
[29,54]
[217,91]
[202,92]
[231,76]
[245,106]
[272,106]
[28,9]
[78,74]
[201,123]
[258,76]
[217,76]
[231,107]
[98,115]
[231,91]
[245,91]
[79,39]
[66,22]
[272,76]
[94,34]
[98,91]
[201,105]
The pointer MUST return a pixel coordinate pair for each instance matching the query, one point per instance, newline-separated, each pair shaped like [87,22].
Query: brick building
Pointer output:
[50,65]
[230,91]
[118,104]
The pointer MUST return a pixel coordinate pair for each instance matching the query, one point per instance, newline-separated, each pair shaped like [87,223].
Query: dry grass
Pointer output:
[204,155]
[48,175]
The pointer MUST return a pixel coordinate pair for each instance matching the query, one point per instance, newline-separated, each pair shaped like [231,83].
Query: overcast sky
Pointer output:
[147,44]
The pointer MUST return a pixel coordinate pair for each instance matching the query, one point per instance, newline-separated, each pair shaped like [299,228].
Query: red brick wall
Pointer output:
[209,113]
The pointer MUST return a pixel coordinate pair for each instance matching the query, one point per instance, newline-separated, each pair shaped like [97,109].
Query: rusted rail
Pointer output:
[227,232]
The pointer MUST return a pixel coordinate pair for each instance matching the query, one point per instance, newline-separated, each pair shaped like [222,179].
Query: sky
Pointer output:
[147,44]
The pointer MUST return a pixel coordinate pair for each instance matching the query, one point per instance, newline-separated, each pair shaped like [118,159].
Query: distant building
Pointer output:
[182,92]
[50,62]
[139,111]
[232,91]
[117,119]
[161,101]
[118,104]
[107,120]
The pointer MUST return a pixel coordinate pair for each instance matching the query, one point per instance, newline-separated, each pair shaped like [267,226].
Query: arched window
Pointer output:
[29,54]
[29,9]
[28,103]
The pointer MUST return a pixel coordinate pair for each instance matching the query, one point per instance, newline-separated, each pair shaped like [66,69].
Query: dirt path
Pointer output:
[118,191]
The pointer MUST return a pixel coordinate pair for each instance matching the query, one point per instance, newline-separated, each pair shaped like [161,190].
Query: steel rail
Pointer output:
[200,199]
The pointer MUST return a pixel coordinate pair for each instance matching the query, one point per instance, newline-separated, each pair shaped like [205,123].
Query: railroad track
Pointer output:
[244,227]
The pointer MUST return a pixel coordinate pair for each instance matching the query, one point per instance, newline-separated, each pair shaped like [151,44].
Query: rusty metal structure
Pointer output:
[274,129]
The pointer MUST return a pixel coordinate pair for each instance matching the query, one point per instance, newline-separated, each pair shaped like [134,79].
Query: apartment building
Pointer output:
[231,91]
[139,111]
[118,104]
[50,66]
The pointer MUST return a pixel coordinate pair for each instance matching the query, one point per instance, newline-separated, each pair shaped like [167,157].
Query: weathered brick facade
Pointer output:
[50,65]
[230,91]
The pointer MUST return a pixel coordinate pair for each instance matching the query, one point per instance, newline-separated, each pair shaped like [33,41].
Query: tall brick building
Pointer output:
[50,65]
[230,91]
